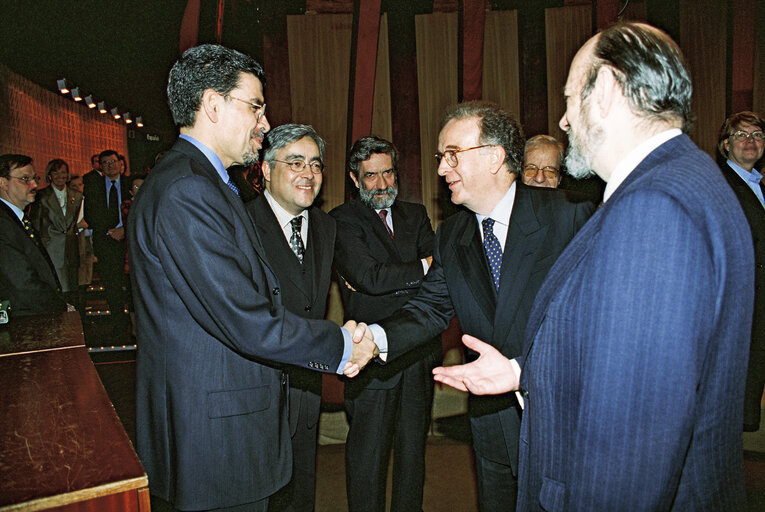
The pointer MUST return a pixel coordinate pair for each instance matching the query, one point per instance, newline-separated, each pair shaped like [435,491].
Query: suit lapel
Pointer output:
[269,227]
[472,263]
[322,252]
[379,230]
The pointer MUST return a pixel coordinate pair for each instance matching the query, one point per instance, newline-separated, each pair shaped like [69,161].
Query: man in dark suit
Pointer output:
[384,248]
[488,263]
[211,418]
[742,142]
[635,355]
[95,173]
[300,242]
[103,197]
[27,276]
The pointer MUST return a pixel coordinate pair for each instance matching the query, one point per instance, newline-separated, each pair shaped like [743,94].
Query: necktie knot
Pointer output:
[296,240]
[383,214]
[493,250]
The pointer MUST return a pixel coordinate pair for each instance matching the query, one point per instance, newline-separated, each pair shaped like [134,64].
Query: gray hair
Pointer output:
[286,134]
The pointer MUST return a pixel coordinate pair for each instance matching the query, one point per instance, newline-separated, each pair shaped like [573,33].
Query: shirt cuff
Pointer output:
[381,340]
[425,266]
[347,349]
[517,371]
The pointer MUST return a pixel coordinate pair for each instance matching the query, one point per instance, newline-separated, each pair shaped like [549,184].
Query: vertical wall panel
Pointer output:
[703,41]
[566,30]
[381,117]
[437,84]
[501,82]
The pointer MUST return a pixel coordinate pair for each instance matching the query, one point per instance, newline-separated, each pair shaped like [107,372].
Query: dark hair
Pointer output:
[650,69]
[733,123]
[286,134]
[497,127]
[207,66]
[55,165]
[367,146]
[10,162]
[96,156]
[106,153]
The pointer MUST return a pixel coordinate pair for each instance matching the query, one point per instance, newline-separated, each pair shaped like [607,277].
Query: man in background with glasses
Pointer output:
[489,261]
[542,159]
[300,241]
[27,275]
[384,248]
[742,143]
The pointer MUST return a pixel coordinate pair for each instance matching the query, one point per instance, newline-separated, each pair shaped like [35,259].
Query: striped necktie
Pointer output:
[383,214]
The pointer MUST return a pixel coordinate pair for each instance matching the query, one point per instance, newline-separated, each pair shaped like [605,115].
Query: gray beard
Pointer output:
[249,158]
[580,152]
[368,197]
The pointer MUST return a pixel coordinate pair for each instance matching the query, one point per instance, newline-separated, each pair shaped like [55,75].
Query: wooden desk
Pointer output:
[61,443]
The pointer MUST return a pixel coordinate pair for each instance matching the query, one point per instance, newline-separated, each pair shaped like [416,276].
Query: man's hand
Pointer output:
[364,348]
[117,234]
[490,374]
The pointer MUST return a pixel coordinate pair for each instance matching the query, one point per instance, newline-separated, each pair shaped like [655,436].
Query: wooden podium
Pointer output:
[62,445]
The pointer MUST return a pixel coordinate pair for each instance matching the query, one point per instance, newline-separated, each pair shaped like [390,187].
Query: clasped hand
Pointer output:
[364,348]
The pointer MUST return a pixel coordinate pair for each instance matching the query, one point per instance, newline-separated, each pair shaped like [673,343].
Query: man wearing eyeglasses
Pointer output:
[384,248]
[742,142]
[300,240]
[489,260]
[213,329]
[27,275]
[103,196]
[542,159]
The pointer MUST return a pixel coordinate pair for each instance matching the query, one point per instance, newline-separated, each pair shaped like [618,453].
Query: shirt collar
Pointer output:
[211,156]
[283,217]
[634,157]
[19,213]
[754,176]
[60,194]
[503,209]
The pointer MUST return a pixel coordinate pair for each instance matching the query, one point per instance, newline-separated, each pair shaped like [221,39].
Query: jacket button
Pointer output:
[275,291]
[525,394]
[307,308]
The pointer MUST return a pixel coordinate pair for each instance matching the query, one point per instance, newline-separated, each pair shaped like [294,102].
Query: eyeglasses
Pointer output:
[26,179]
[451,154]
[109,162]
[531,170]
[298,165]
[258,110]
[742,135]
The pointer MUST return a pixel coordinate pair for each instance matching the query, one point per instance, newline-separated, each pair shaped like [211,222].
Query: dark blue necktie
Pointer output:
[493,249]
[233,187]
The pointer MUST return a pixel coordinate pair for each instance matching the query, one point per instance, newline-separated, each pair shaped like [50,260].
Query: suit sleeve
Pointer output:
[357,263]
[426,315]
[644,336]
[227,292]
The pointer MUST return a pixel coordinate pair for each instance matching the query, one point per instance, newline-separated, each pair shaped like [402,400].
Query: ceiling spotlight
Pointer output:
[115,113]
[76,94]
[139,122]
[102,107]
[127,117]
[62,86]
[89,101]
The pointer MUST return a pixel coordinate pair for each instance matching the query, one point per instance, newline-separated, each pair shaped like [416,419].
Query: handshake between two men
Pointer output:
[490,374]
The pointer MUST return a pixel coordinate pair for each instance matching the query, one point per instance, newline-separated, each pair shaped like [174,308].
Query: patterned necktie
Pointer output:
[493,249]
[383,214]
[233,187]
[296,241]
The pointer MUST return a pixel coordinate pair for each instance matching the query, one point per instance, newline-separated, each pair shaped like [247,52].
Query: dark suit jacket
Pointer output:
[304,289]
[211,421]
[27,276]
[459,282]
[110,252]
[755,214]
[636,349]
[385,273]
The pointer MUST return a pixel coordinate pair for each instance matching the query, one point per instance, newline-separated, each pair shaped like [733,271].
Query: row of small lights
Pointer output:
[64,88]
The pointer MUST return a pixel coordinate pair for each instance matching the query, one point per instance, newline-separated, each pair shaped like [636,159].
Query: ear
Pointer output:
[211,105]
[726,145]
[354,179]
[497,159]
[266,170]
[606,91]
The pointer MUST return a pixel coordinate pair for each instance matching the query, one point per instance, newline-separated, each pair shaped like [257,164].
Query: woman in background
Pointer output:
[55,215]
